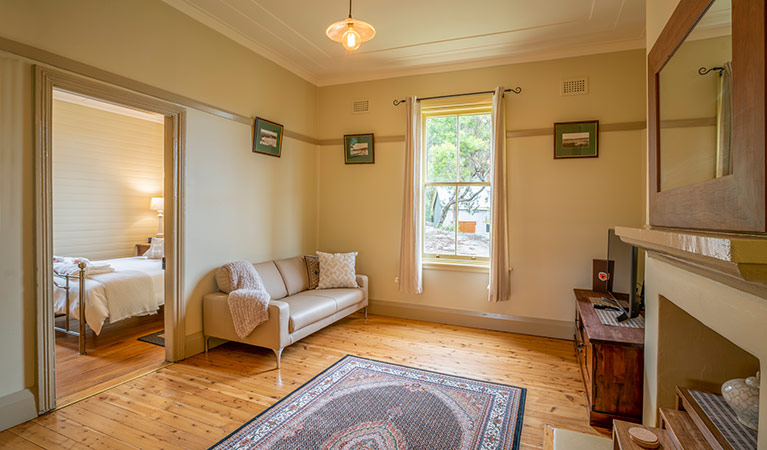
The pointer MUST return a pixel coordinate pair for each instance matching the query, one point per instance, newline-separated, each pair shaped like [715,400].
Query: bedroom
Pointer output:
[107,192]
[235,204]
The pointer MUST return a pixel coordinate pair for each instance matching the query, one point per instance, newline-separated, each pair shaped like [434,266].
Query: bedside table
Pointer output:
[141,248]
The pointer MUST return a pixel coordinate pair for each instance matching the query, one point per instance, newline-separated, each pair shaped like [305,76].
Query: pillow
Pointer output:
[313,270]
[337,270]
[222,279]
[156,248]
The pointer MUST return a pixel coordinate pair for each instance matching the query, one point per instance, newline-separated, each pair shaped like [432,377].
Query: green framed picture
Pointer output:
[267,137]
[359,149]
[576,139]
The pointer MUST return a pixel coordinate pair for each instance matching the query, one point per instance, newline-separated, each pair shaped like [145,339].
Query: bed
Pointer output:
[135,287]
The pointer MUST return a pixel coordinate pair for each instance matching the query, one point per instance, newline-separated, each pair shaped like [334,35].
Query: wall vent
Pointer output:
[575,86]
[360,106]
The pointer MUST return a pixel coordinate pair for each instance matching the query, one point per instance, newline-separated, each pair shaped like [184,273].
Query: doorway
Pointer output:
[87,220]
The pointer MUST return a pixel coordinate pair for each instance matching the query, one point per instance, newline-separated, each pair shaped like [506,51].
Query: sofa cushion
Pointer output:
[272,279]
[306,308]
[344,298]
[313,270]
[293,271]
[337,270]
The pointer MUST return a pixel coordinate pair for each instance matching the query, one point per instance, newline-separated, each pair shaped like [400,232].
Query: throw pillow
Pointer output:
[313,270]
[337,270]
[156,249]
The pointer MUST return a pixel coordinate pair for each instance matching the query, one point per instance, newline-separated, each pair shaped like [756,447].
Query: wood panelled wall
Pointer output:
[106,168]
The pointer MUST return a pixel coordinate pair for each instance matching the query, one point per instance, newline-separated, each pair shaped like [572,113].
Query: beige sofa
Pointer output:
[294,311]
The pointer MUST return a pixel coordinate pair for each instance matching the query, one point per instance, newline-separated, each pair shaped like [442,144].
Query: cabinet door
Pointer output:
[618,374]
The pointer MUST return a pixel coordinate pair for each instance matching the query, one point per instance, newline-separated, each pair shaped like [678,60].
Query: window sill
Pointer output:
[459,266]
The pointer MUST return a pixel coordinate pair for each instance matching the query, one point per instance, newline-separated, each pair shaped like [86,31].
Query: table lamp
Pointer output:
[158,204]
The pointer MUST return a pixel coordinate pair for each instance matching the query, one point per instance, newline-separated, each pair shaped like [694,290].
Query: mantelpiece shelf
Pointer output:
[715,439]
[738,260]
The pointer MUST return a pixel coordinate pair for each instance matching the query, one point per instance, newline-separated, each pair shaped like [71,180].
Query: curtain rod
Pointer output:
[516,90]
[704,71]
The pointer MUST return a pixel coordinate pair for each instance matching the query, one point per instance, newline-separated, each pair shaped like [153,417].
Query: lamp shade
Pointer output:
[157,204]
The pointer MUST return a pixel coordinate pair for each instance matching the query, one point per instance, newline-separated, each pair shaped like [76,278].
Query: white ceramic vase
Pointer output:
[743,397]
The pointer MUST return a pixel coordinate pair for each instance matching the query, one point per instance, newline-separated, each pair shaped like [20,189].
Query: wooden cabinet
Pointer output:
[611,359]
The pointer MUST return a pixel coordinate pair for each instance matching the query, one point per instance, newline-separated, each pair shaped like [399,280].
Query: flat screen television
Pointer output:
[626,276]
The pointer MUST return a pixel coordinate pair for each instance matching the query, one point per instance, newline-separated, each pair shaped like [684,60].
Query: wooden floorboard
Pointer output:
[195,403]
[115,355]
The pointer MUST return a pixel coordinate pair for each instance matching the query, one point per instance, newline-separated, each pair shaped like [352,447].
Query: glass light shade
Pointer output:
[157,204]
[351,33]
[351,39]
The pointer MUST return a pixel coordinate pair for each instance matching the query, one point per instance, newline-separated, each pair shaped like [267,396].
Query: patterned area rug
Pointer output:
[362,404]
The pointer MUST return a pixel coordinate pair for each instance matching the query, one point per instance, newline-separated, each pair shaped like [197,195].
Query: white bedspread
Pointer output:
[136,288]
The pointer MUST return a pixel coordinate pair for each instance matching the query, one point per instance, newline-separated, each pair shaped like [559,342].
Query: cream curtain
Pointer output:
[410,267]
[724,123]
[499,288]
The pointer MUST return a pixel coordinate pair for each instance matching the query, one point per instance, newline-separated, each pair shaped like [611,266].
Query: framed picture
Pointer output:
[359,149]
[576,139]
[267,137]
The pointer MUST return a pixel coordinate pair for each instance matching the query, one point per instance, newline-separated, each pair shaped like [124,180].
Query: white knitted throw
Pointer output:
[249,299]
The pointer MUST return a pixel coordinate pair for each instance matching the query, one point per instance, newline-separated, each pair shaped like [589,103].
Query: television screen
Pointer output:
[627,273]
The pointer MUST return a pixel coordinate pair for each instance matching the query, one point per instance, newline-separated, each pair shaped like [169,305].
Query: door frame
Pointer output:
[46,79]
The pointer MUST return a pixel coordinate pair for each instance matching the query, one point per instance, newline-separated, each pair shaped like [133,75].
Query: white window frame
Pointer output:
[447,111]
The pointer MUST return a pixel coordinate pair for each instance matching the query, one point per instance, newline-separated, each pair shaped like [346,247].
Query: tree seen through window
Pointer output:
[457,185]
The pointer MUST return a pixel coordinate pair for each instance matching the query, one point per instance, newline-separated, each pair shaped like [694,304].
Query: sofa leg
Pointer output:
[207,343]
[365,311]
[278,354]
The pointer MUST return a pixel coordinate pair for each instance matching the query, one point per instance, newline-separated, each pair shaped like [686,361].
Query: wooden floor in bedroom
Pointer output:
[115,355]
[195,403]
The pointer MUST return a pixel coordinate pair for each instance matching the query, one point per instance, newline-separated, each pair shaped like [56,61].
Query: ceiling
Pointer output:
[421,36]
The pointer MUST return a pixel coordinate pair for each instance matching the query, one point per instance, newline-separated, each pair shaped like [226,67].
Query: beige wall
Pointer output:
[559,210]
[238,204]
[17,264]
[106,168]
[688,153]
[241,205]
[154,43]
[657,13]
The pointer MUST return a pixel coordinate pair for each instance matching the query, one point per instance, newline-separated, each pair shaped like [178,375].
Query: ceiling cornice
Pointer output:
[569,52]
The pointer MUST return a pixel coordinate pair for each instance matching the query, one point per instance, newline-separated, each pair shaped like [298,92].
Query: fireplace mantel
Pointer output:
[737,260]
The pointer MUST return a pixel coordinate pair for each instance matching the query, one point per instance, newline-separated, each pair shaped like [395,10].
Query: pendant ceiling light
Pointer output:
[351,33]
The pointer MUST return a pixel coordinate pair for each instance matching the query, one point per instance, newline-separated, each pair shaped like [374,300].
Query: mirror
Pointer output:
[695,103]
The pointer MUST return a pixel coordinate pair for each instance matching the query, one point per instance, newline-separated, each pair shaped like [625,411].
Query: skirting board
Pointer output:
[16,408]
[558,329]
[195,343]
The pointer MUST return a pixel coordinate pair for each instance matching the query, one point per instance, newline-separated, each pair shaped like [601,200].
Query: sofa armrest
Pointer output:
[281,311]
[362,281]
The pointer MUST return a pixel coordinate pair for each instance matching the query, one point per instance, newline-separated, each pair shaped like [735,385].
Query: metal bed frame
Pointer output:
[79,276]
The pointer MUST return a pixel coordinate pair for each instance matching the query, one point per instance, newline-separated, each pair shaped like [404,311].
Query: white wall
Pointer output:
[106,168]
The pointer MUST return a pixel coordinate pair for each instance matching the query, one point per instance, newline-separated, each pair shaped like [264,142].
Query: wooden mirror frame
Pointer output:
[736,202]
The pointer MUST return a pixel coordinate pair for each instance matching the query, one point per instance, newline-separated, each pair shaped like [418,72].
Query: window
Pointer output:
[456,188]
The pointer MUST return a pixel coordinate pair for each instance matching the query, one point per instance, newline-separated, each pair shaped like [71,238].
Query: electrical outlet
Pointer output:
[396,279]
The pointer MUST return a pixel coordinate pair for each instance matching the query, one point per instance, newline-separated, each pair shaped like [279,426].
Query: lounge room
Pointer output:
[390,225]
